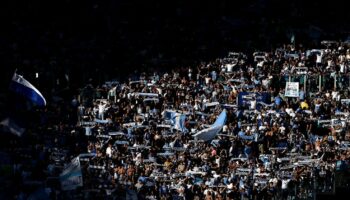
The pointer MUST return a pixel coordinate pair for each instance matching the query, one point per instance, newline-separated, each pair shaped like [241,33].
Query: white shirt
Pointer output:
[217,161]
[109,152]
[289,111]
[329,63]
[266,82]
[229,67]
[334,95]
[319,58]
[207,79]
[285,183]
[253,104]
[101,108]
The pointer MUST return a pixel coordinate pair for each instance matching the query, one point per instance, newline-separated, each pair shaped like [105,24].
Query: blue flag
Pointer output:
[22,87]
[179,122]
[177,119]
[210,133]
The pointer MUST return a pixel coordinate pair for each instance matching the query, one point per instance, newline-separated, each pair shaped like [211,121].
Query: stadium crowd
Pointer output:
[138,139]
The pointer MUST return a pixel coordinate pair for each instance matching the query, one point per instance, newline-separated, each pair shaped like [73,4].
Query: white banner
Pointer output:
[292,89]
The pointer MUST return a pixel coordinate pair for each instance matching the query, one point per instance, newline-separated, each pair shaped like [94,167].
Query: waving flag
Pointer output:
[210,133]
[176,119]
[220,121]
[71,178]
[179,122]
[22,87]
